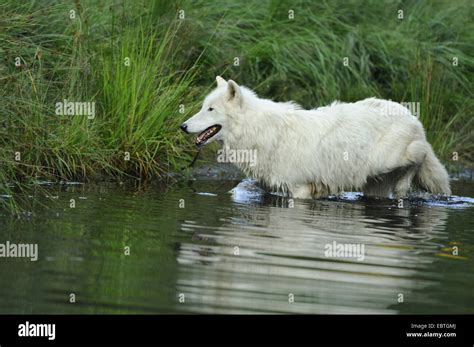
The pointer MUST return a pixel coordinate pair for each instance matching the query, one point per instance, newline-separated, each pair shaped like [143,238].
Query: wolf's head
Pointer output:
[219,109]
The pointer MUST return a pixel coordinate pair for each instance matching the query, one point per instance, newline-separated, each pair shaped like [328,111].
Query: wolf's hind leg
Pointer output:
[397,178]
[403,185]
[415,154]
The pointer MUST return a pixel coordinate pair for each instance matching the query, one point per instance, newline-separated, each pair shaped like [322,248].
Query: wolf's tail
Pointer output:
[432,175]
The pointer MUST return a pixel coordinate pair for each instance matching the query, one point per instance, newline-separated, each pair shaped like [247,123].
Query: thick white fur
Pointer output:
[375,146]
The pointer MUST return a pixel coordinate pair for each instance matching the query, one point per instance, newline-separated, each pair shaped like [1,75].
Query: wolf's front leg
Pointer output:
[302,191]
[309,191]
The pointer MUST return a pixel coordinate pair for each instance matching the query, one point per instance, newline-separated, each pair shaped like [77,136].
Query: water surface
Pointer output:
[237,252]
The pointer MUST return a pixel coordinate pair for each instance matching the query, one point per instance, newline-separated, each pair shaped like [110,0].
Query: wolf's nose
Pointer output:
[184,127]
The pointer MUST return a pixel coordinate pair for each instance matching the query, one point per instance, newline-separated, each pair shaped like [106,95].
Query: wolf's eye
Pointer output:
[210,109]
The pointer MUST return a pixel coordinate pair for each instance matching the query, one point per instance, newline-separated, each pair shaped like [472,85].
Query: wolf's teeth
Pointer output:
[206,134]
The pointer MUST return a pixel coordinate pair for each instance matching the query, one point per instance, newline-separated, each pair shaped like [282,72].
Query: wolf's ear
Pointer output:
[220,81]
[234,91]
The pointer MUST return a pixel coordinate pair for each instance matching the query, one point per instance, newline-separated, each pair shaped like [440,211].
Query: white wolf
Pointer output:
[374,146]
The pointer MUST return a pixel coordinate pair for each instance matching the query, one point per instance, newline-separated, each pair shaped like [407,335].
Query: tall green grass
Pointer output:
[136,129]
[173,62]
[140,94]
[406,60]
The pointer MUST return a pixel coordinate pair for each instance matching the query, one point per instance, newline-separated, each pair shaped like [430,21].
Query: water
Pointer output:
[238,252]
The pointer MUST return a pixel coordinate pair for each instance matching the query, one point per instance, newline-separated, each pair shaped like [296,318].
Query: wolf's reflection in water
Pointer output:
[269,256]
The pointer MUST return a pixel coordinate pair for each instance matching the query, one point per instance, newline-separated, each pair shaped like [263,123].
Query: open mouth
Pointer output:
[205,135]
